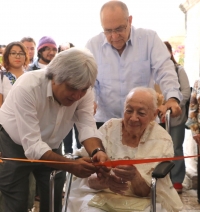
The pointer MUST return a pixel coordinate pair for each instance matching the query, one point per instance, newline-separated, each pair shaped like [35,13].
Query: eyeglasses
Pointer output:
[118,31]
[15,54]
[51,49]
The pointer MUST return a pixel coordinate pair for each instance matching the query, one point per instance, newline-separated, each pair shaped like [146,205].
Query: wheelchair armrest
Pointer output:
[162,169]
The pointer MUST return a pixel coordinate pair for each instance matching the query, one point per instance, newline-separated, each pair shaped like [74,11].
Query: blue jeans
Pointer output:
[178,135]
[14,179]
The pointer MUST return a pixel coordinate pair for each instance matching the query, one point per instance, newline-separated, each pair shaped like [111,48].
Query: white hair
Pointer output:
[74,66]
[151,91]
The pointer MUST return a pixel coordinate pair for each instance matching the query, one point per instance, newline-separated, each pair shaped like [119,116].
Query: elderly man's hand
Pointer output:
[109,180]
[116,185]
[174,106]
[131,174]
[126,173]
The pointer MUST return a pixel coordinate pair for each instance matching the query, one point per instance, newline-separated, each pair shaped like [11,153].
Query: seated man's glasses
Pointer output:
[15,54]
[119,30]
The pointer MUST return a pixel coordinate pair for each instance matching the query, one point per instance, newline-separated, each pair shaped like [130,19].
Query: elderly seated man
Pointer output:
[127,187]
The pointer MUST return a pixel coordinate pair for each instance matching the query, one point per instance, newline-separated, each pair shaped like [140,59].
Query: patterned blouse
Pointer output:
[193,121]
[6,82]
[12,78]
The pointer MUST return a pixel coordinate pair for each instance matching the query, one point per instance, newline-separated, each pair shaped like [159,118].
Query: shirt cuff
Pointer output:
[37,150]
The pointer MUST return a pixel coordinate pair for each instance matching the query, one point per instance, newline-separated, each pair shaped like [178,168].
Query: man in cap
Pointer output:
[47,50]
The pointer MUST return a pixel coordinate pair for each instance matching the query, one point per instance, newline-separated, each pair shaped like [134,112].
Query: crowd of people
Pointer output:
[106,94]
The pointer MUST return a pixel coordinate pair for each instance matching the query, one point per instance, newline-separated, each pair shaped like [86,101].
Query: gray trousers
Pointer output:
[178,134]
[14,179]
[1,202]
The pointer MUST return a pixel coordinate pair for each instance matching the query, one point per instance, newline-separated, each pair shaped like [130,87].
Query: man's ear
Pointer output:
[130,19]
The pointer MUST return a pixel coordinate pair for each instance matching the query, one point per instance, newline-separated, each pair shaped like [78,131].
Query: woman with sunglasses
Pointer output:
[15,60]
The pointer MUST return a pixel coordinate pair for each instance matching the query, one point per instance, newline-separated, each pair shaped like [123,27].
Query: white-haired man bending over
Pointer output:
[39,111]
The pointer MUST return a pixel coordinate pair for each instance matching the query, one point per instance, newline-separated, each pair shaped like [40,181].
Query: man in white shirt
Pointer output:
[127,58]
[39,111]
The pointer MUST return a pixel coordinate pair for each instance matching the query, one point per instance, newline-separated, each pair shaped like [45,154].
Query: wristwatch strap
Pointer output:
[97,150]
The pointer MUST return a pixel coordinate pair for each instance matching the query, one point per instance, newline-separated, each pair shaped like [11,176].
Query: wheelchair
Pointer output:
[161,170]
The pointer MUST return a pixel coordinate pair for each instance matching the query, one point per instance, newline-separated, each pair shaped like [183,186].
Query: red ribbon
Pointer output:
[113,163]
[32,161]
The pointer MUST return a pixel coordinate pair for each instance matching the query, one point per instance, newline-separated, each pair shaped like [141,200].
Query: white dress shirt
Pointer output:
[34,119]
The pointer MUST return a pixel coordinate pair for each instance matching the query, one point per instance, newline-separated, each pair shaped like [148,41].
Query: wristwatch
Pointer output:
[97,150]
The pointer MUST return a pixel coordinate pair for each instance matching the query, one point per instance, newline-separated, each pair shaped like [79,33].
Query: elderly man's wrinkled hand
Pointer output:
[116,184]
[103,172]
[174,106]
[126,173]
